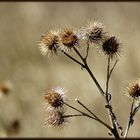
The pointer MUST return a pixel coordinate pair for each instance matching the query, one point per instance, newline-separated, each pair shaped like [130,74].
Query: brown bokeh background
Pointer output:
[21,25]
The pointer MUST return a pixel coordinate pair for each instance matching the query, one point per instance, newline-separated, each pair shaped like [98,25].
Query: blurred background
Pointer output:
[29,73]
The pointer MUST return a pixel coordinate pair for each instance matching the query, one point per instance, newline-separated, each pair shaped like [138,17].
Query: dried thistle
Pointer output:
[68,39]
[134,90]
[56,97]
[93,32]
[49,43]
[56,118]
[111,47]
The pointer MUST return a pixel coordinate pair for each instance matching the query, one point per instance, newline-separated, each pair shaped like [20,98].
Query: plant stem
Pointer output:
[86,108]
[87,50]
[111,115]
[113,67]
[130,120]
[67,116]
[85,65]
[108,72]
[84,114]
[73,59]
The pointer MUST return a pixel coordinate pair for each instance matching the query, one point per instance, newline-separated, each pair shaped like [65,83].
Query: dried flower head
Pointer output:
[49,43]
[111,46]
[134,89]
[56,97]
[93,32]
[56,118]
[69,39]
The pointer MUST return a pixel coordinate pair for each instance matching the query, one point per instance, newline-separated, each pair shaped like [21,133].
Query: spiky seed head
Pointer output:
[68,39]
[134,89]
[93,32]
[56,118]
[111,46]
[49,42]
[55,97]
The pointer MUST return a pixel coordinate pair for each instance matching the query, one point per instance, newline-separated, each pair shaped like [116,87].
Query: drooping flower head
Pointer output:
[93,32]
[56,97]
[49,42]
[111,46]
[68,39]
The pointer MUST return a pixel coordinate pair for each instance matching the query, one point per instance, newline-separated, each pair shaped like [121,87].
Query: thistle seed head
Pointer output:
[49,43]
[68,39]
[111,46]
[134,89]
[56,97]
[93,32]
[56,118]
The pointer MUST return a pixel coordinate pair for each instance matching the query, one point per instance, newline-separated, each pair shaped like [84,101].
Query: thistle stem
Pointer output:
[75,115]
[73,59]
[130,120]
[111,115]
[84,114]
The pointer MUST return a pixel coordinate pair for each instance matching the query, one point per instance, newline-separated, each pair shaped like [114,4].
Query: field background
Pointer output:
[21,25]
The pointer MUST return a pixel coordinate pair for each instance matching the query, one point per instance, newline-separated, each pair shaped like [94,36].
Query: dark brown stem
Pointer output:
[89,71]
[113,68]
[87,50]
[86,108]
[85,65]
[108,73]
[79,110]
[111,115]
[84,114]
[130,121]
[73,59]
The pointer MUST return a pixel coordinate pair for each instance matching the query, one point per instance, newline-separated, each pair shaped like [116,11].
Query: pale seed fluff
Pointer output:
[49,43]
[56,97]
[93,32]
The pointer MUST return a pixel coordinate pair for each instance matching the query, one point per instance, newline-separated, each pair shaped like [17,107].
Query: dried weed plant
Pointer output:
[66,40]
